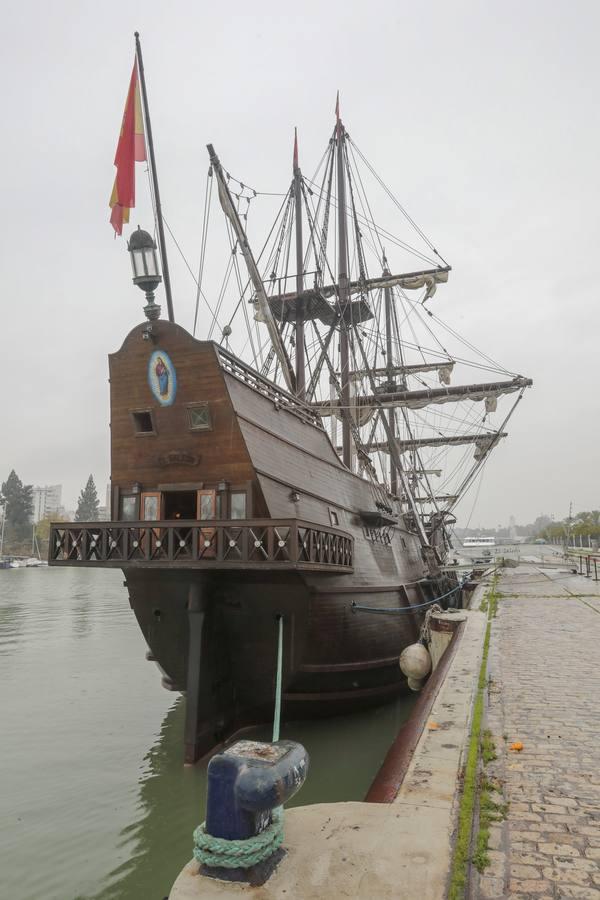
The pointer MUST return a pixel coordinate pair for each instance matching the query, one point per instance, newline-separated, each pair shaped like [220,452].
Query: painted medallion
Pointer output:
[162,378]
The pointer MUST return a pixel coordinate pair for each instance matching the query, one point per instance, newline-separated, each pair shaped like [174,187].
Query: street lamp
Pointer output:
[144,263]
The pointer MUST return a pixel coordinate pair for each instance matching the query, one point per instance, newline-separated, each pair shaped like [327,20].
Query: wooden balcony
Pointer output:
[259,544]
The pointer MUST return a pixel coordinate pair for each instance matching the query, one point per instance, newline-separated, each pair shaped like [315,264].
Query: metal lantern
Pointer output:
[144,263]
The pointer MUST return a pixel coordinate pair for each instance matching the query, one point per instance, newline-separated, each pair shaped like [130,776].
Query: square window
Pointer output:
[199,417]
[143,422]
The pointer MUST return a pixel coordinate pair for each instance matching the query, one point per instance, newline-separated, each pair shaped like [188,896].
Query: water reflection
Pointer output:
[104,817]
[345,753]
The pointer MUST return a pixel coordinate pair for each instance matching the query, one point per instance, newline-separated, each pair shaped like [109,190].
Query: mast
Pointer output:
[343,290]
[157,205]
[261,296]
[299,330]
[387,295]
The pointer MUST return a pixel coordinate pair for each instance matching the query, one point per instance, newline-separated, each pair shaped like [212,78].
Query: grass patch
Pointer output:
[479,743]
[488,748]
[489,811]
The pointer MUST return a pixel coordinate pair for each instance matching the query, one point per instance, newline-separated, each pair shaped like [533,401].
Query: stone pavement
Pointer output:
[544,667]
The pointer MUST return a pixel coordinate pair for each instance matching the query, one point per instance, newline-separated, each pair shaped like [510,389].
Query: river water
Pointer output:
[94,800]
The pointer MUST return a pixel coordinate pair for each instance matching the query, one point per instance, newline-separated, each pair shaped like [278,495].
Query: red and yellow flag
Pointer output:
[130,149]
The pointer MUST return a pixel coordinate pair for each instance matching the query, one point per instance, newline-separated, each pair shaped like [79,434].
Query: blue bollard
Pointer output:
[247,782]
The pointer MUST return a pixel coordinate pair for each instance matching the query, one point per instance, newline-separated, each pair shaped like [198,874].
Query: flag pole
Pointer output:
[157,206]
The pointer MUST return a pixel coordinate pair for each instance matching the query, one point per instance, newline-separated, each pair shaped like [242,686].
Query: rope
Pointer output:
[404,609]
[213,851]
[425,636]
[277,714]
[241,854]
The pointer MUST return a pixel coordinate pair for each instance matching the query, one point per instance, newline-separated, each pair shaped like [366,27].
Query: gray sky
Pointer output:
[483,118]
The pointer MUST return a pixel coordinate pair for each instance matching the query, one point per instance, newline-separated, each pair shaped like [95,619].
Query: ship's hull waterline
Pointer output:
[334,659]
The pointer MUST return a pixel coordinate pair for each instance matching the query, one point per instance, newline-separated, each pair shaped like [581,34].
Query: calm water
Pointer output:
[95,802]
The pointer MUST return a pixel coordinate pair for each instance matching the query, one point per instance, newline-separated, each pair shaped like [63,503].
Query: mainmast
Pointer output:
[343,290]
[299,330]
[387,296]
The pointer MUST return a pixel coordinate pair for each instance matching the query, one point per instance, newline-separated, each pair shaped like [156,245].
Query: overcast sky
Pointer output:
[482,116]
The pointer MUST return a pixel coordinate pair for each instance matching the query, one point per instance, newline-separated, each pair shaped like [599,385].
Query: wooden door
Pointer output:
[207,509]
[150,506]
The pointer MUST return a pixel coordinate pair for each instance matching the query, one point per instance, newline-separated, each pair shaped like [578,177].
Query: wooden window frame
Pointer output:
[126,495]
[143,497]
[198,428]
[150,412]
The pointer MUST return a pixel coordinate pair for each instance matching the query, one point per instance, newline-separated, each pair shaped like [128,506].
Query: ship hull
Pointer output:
[335,659]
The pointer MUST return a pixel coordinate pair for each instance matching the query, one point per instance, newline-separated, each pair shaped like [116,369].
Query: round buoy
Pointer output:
[415,684]
[415,662]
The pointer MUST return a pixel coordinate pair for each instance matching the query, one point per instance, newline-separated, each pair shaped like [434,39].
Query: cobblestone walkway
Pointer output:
[545,692]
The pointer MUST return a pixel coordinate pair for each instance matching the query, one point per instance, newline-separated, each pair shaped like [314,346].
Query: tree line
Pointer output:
[16,500]
[583,524]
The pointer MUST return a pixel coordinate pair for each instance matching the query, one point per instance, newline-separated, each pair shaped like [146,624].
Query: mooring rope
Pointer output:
[219,852]
[277,713]
[241,854]
[384,610]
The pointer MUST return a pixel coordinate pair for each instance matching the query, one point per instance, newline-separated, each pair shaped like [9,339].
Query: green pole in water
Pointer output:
[277,715]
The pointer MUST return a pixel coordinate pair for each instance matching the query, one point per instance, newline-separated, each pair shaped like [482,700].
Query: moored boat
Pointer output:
[234,501]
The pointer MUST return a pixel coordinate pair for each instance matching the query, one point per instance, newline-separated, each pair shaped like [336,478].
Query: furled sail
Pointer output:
[420,399]
[483,442]
[312,303]
[444,368]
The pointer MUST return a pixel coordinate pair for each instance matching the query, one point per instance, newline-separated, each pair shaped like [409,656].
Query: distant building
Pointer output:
[46,501]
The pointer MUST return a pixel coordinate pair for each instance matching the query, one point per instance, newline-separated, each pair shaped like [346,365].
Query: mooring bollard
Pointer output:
[247,785]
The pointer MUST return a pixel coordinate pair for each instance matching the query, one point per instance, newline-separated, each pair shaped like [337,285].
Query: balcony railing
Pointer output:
[216,544]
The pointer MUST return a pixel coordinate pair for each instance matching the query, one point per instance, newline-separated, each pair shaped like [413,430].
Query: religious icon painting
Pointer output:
[162,378]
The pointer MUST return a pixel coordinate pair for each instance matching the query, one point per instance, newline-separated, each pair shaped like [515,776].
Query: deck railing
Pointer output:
[215,544]
[281,398]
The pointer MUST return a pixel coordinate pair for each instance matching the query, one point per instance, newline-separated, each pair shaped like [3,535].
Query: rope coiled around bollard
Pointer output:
[213,851]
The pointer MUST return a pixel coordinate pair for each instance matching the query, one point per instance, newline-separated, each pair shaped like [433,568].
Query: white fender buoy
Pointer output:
[415,662]
[415,684]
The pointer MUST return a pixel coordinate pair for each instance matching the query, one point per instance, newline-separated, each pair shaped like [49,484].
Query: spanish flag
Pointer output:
[130,149]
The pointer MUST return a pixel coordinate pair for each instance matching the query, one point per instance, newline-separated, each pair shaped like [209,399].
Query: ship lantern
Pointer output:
[144,263]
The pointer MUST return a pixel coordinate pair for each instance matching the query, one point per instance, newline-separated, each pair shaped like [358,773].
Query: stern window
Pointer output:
[199,417]
[143,423]
[238,504]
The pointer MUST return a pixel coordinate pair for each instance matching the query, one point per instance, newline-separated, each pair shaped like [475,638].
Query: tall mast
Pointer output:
[157,205]
[299,334]
[387,295]
[343,290]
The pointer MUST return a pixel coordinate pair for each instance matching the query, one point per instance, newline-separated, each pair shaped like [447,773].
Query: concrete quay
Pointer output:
[379,851]
[544,666]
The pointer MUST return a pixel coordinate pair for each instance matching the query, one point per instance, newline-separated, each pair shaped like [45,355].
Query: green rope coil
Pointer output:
[213,851]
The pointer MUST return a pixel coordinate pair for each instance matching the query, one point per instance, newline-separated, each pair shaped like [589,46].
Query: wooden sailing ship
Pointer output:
[234,502]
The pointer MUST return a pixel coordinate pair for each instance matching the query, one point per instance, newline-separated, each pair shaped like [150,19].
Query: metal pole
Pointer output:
[157,205]
[344,296]
[2,532]
[299,333]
